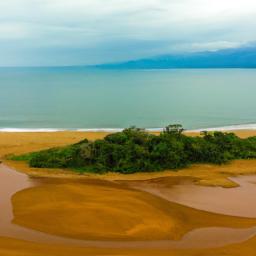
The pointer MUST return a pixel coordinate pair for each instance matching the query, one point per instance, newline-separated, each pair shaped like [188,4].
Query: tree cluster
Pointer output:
[135,150]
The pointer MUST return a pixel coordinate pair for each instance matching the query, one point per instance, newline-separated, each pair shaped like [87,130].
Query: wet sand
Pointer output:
[12,181]
[238,201]
[216,231]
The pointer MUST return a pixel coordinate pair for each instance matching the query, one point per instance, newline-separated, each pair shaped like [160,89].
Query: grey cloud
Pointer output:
[64,32]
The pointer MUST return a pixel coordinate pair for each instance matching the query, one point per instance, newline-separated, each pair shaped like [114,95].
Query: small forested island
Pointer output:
[135,150]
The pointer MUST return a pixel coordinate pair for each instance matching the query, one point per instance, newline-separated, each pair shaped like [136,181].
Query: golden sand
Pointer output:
[19,143]
[13,247]
[94,211]
[109,210]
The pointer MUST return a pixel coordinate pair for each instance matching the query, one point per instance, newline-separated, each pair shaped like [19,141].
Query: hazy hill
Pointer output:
[229,58]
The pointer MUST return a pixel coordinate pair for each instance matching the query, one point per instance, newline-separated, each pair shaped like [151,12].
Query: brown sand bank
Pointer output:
[108,215]
[14,247]
[111,212]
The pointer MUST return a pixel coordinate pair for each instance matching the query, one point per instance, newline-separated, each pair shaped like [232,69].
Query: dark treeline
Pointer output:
[135,150]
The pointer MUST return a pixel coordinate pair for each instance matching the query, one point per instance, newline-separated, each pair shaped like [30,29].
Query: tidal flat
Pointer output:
[59,211]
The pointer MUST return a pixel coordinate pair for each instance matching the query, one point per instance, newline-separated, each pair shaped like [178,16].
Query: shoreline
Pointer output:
[225,128]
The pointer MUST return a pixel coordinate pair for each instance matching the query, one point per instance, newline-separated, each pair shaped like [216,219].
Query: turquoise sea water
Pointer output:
[77,98]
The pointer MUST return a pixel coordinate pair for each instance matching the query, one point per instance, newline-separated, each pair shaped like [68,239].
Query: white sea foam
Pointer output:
[31,130]
[229,128]
[221,128]
[100,130]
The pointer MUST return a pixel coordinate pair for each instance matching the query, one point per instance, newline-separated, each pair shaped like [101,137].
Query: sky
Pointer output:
[87,32]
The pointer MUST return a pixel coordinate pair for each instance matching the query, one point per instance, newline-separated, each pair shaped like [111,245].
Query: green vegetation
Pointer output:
[134,150]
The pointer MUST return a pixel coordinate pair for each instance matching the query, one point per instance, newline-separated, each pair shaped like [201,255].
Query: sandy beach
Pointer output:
[134,209]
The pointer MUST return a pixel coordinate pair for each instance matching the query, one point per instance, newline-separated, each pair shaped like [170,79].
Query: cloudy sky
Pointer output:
[65,32]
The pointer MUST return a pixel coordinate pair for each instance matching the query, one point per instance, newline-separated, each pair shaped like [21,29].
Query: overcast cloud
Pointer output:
[65,32]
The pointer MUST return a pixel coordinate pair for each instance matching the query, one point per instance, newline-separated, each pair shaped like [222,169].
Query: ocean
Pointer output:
[50,99]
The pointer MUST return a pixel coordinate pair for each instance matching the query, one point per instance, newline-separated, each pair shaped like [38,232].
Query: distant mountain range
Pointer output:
[228,58]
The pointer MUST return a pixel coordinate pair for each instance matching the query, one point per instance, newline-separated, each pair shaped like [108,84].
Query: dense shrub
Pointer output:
[134,150]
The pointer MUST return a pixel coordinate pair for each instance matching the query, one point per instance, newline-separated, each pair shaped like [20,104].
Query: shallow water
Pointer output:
[239,201]
[12,181]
